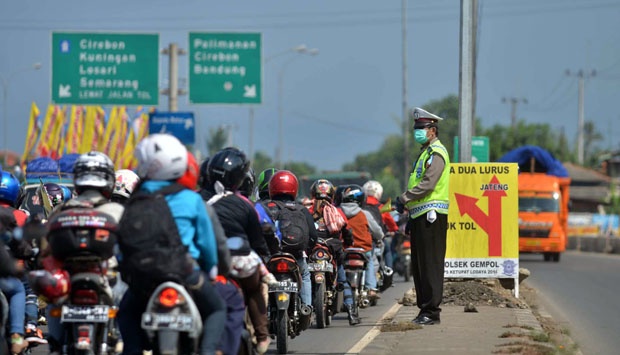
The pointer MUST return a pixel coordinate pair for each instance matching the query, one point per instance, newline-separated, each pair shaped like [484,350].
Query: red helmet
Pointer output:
[190,178]
[54,286]
[283,182]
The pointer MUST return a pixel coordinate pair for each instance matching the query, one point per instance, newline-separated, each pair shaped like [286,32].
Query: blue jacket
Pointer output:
[193,222]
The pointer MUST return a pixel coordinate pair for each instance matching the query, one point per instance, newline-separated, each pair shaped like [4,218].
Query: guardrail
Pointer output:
[596,244]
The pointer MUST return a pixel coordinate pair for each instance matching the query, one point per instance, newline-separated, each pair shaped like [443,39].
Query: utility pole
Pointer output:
[582,76]
[466,80]
[406,127]
[514,101]
[173,76]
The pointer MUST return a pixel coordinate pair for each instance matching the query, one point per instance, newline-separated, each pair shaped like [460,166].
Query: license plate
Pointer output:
[178,322]
[90,314]
[321,267]
[283,286]
[532,243]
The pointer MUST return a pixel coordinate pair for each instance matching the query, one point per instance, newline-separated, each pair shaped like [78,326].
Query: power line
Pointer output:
[392,19]
[332,124]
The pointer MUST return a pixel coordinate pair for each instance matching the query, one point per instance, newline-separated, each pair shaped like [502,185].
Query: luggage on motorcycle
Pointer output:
[152,251]
[292,223]
[82,231]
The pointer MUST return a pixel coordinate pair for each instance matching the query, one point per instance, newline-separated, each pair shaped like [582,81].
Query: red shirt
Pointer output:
[386,217]
[20,216]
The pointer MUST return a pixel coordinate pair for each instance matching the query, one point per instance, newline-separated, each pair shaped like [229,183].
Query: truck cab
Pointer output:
[543,214]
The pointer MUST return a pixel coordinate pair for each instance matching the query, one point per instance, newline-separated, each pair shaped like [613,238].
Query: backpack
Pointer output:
[291,221]
[77,228]
[149,240]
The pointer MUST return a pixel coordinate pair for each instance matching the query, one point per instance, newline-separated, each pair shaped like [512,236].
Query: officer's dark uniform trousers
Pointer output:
[428,253]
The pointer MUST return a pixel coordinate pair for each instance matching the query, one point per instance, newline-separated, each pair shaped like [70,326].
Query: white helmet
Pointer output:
[161,157]
[126,182]
[94,170]
[373,188]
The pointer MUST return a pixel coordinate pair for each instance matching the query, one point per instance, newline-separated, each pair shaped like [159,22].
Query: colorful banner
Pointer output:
[80,129]
[33,133]
[483,232]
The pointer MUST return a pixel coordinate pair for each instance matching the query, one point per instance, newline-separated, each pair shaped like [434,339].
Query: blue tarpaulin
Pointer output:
[545,162]
[47,169]
[65,164]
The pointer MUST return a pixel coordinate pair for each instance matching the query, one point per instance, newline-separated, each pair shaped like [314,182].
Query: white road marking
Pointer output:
[376,330]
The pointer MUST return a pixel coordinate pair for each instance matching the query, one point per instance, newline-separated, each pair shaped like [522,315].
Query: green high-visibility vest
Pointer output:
[438,199]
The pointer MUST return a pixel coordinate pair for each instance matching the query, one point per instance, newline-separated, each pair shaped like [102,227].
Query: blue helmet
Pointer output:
[9,188]
[66,193]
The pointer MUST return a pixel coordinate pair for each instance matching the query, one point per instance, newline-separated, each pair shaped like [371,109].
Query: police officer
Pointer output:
[426,199]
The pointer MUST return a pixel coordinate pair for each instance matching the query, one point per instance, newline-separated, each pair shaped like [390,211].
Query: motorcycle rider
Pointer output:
[125,181]
[374,192]
[332,225]
[262,183]
[365,229]
[225,173]
[283,186]
[12,286]
[93,179]
[228,289]
[162,159]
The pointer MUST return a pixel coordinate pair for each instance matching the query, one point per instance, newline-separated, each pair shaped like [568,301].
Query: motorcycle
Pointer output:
[172,320]
[354,265]
[84,240]
[287,316]
[402,262]
[322,268]
[385,274]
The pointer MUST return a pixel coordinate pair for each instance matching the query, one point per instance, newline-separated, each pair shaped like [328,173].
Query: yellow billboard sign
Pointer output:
[483,233]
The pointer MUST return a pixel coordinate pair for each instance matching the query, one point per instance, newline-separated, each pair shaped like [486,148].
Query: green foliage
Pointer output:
[217,139]
[387,163]
[300,169]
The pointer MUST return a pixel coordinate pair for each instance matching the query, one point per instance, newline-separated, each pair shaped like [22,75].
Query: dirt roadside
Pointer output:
[555,339]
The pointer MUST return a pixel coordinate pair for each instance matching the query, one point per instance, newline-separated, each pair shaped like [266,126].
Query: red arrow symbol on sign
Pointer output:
[491,223]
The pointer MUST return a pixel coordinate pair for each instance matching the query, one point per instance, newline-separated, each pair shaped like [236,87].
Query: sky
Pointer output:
[347,99]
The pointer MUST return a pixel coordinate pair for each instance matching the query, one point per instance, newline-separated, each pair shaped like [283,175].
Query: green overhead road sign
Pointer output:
[479,149]
[225,68]
[105,68]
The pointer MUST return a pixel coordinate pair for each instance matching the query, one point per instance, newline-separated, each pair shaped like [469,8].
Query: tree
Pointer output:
[590,137]
[217,139]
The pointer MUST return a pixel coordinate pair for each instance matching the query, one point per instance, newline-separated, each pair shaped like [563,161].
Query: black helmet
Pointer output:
[338,194]
[228,166]
[203,180]
[247,185]
[262,183]
[353,193]
[94,171]
[322,189]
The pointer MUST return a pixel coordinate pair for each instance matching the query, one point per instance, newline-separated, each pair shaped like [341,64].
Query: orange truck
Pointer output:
[544,192]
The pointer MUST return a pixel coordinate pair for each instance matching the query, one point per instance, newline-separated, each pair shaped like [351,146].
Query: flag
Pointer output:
[43,149]
[89,129]
[128,161]
[33,132]
[74,129]
[57,133]
[116,144]
[99,127]
[105,143]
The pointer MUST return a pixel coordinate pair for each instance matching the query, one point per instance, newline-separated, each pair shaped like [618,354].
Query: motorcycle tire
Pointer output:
[320,311]
[282,332]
